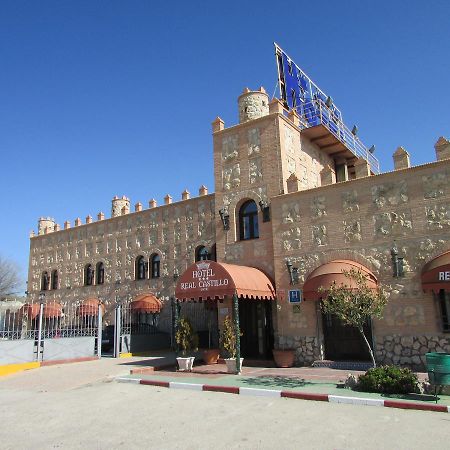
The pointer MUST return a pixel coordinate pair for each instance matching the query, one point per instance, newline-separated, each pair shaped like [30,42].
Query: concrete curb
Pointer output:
[275,393]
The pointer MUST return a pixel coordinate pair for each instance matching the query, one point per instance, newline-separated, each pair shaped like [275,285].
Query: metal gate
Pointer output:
[48,332]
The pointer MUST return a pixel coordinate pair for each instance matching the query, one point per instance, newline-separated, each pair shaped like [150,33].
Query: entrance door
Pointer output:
[344,342]
[255,317]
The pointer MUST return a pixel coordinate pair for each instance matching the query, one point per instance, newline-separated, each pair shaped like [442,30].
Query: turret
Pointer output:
[120,206]
[253,104]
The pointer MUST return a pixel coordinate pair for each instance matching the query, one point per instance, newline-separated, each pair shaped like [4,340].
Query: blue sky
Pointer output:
[104,98]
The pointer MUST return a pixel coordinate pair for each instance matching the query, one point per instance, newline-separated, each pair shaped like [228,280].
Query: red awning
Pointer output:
[436,273]
[29,309]
[211,280]
[52,310]
[89,307]
[325,275]
[146,303]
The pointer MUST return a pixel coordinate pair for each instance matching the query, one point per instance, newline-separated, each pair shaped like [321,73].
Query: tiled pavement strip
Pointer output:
[299,383]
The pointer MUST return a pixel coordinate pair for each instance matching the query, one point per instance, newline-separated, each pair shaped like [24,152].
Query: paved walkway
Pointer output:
[296,379]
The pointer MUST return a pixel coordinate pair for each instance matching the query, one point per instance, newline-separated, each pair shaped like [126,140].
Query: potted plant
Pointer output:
[284,357]
[228,344]
[187,341]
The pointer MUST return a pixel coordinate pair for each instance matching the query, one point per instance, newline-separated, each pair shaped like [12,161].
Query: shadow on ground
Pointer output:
[274,381]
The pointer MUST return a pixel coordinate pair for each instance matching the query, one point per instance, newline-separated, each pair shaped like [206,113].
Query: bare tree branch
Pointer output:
[9,278]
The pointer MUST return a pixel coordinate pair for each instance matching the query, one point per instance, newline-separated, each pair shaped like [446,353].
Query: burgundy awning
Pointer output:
[205,280]
[146,303]
[89,307]
[29,309]
[52,310]
[333,272]
[436,273]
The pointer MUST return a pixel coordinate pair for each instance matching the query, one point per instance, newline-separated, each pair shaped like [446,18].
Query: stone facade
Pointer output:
[313,222]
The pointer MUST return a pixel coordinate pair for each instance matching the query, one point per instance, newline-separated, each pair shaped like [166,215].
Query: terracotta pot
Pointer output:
[231,364]
[185,363]
[211,355]
[284,358]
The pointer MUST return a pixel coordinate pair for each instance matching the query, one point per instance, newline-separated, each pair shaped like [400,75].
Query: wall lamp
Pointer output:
[329,102]
[265,209]
[175,274]
[372,149]
[293,272]
[41,297]
[225,218]
[397,262]
[354,130]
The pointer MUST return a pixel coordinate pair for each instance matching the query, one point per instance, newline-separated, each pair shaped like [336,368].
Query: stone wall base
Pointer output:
[409,351]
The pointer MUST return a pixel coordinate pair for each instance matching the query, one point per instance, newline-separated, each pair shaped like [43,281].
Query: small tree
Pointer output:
[185,337]
[355,305]
[9,279]
[228,337]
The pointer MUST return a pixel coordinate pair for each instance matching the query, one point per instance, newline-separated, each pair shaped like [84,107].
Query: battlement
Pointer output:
[120,206]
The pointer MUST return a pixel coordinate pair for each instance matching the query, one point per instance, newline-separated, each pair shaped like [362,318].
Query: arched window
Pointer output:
[45,282]
[100,273]
[140,273]
[155,262]
[88,275]
[201,253]
[55,279]
[248,221]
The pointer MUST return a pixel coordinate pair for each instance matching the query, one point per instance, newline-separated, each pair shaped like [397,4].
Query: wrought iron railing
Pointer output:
[315,113]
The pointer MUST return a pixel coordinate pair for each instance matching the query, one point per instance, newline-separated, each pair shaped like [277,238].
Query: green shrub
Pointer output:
[186,337]
[388,380]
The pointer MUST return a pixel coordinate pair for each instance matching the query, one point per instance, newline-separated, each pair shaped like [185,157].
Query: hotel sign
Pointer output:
[444,276]
[204,279]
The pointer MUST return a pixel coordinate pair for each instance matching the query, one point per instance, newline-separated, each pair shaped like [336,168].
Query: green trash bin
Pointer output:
[438,368]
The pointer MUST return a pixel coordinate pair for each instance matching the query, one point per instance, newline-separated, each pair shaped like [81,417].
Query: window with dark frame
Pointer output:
[45,282]
[155,266]
[100,273]
[444,304]
[140,268]
[54,279]
[88,275]
[248,221]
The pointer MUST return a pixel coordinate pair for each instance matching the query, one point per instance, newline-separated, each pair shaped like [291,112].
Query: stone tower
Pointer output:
[120,206]
[253,104]
[46,225]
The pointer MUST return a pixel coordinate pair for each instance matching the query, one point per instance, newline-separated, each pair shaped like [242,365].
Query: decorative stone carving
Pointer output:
[392,223]
[289,140]
[291,239]
[255,170]
[318,207]
[438,216]
[290,164]
[177,232]
[189,212]
[229,147]
[290,212]
[320,236]
[254,141]
[352,230]
[434,185]
[350,201]
[390,194]
[404,315]
[231,177]
[189,231]
[153,237]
